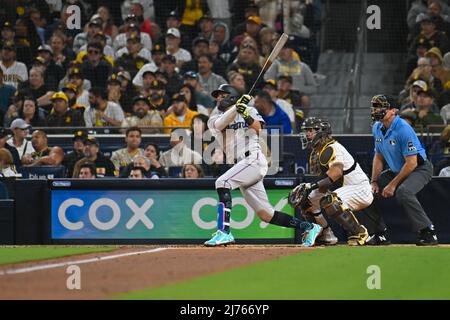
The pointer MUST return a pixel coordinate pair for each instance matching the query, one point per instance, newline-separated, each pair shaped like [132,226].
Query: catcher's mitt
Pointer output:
[298,197]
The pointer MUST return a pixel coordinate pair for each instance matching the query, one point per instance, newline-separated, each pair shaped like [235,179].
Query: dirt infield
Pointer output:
[105,278]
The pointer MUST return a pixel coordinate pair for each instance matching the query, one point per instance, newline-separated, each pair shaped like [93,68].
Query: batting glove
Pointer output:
[245,99]
[242,109]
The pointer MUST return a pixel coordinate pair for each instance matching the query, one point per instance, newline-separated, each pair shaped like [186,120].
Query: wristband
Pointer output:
[326,182]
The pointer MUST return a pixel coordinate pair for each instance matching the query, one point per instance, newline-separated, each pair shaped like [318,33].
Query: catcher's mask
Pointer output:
[320,128]
[380,104]
[229,99]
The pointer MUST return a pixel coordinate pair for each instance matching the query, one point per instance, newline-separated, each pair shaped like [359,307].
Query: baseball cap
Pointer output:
[157,85]
[76,72]
[19,124]
[92,140]
[421,84]
[3,133]
[39,59]
[254,19]
[148,72]
[70,87]
[124,74]
[179,97]
[434,51]
[290,43]
[429,92]
[285,76]
[100,35]
[173,14]
[95,23]
[174,32]
[157,48]
[45,47]
[80,135]
[60,95]
[113,79]
[191,74]
[140,98]
[270,83]
[96,45]
[169,58]
[200,40]
[9,45]
[8,25]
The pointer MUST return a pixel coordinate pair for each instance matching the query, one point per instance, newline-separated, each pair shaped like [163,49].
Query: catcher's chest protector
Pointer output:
[319,162]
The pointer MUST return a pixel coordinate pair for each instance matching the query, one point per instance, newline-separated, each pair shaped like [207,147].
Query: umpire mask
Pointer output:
[380,104]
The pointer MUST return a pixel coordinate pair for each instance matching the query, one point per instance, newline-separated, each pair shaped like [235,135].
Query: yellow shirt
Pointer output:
[172,120]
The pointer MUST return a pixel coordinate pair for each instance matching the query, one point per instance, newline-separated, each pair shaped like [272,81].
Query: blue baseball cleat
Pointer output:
[220,238]
[309,237]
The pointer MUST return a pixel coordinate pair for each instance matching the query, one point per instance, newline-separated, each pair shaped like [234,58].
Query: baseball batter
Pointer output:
[338,171]
[236,126]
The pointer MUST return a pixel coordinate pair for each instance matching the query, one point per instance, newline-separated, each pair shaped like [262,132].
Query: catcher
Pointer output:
[338,171]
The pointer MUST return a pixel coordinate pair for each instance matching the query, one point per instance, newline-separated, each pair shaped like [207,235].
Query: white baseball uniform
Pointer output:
[242,145]
[356,192]
[15,74]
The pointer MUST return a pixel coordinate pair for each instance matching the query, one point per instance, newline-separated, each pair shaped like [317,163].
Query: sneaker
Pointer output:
[378,239]
[310,236]
[220,238]
[358,239]
[327,238]
[427,238]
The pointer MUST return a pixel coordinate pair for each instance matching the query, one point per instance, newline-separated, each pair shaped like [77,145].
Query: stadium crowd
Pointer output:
[139,67]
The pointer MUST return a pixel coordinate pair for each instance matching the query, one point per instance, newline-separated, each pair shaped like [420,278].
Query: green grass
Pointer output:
[330,273]
[10,255]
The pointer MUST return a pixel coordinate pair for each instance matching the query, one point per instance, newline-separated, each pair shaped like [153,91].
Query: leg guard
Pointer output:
[224,209]
[334,208]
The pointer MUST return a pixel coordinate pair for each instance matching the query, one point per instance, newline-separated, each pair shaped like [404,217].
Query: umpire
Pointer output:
[409,171]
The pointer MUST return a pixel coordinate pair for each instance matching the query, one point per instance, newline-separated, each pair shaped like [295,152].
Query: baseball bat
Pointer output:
[273,55]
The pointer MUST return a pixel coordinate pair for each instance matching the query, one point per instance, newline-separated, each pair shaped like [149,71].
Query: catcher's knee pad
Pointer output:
[335,209]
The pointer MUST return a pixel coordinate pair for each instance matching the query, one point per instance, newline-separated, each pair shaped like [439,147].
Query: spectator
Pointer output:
[87,171]
[158,54]
[61,115]
[137,9]
[132,27]
[219,65]
[127,91]
[128,7]
[416,87]
[189,92]
[36,88]
[250,10]
[77,80]
[20,130]
[60,26]
[198,128]
[209,81]
[180,154]
[62,54]
[101,112]
[192,171]
[206,26]
[138,161]
[424,72]
[201,97]
[108,26]
[143,116]
[252,27]
[272,114]
[133,57]
[31,113]
[302,76]
[6,93]
[52,72]
[445,114]
[237,81]
[108,53]
[137,173]
[416,51]
[7,33]
[268,38]
[113,86]
[437,70]
[420,7]
[123,157]
[76,154]
[270,86]
[7,168]
[72,66]
[14,72]
[95,68]
[173,40]
[434,10]
[43,154]
[247,64]
[93,27]
[104,166]
[174,80]
[26,40]
[424,114]
[71,92]
[3,138]
[180,115]
[158,97]
[294,97]
[222,36]
[151,152]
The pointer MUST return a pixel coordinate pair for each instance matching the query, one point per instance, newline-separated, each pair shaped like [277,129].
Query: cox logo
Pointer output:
[250,213]
[139,213]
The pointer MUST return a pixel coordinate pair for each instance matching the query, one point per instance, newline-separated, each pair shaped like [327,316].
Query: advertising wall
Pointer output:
[157,214]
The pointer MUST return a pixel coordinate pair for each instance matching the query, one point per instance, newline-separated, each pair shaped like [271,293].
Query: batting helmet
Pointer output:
[230,99]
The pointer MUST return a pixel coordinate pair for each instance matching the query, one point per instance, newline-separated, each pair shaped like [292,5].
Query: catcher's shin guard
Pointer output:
[334,208]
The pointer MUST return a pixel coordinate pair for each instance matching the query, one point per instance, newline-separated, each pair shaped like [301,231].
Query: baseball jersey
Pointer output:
[338,154]
[235,140]
[15,74]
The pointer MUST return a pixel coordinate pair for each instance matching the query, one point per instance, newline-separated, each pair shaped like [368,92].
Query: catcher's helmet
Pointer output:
[230,99]
[379,106]
[321,126]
